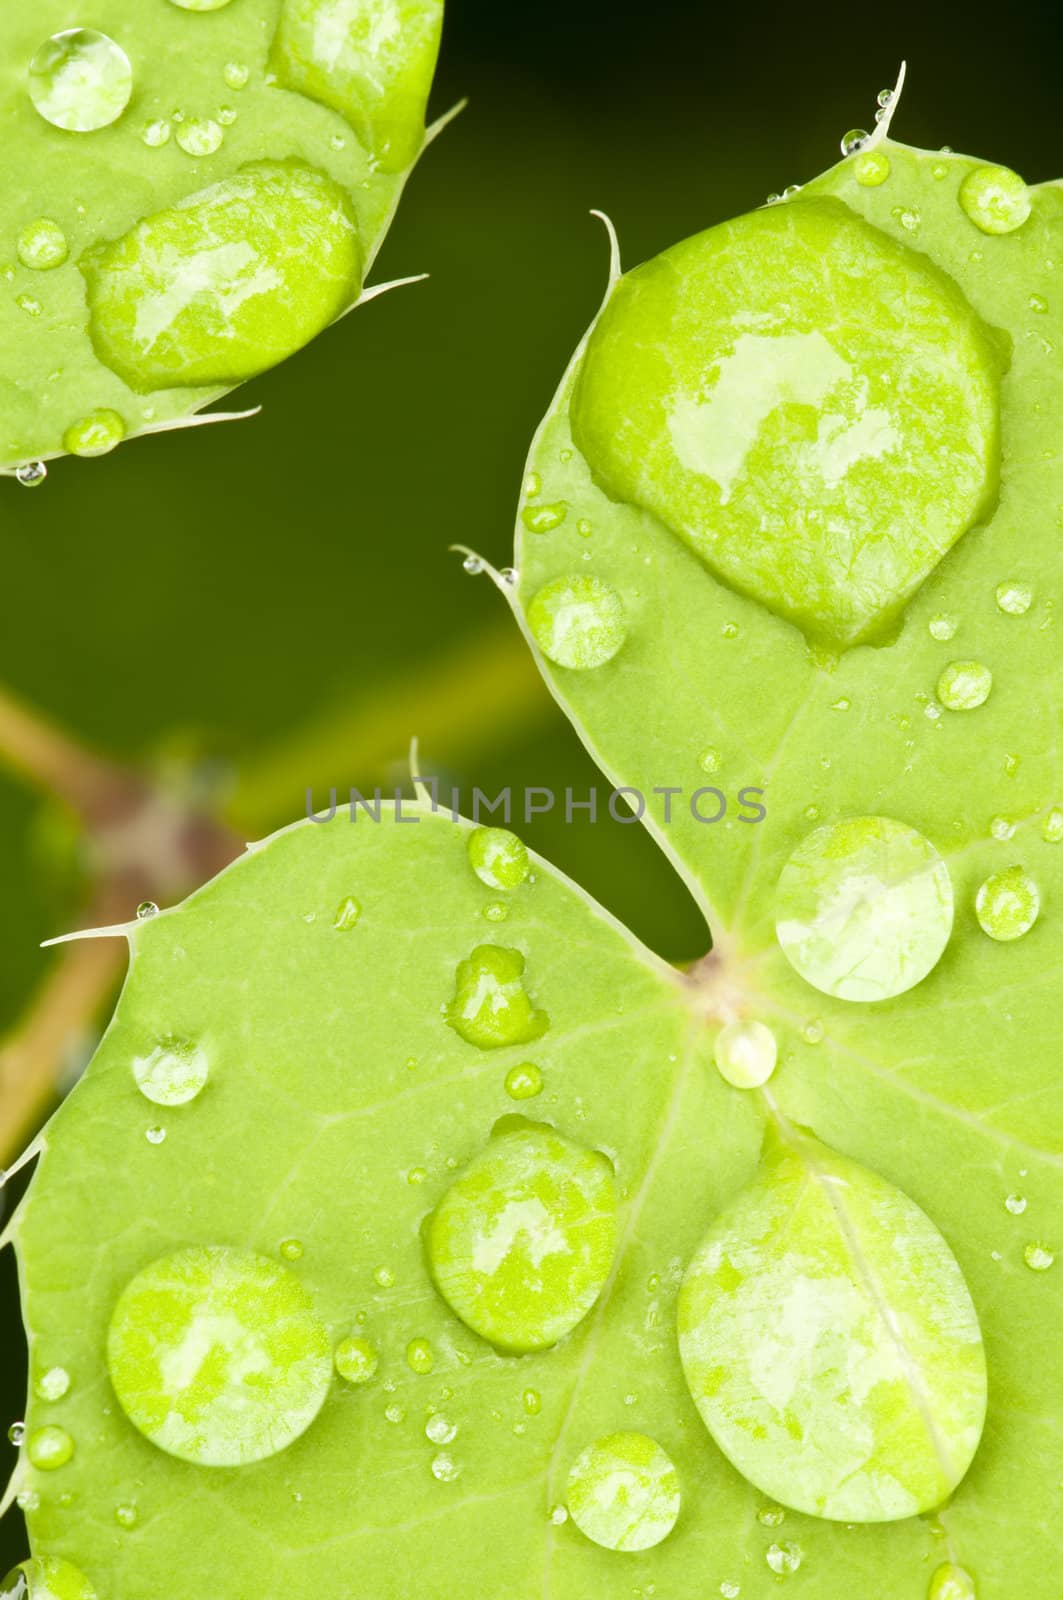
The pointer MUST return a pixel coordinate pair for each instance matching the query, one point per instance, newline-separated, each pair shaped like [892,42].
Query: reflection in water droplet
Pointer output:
[951,1582]
[80,80]
[623,1492]
[16,1433]
[853,141]
[964,685]
[49,1447]
[709,760]
[185,1335]
[533,1402]
[746,1053]
[1016,1204]
[491,1007]
[146,910]
[996,199]
[864,908]
[1007,904]
[52,1384]
[784,1559]
[96,434]
[26,1500]
[521,1245]
[1002,828]
[347,913]
[173,1072]
[356,1359]
[31,474]
[1038,1257]
[27,303]
[524,1081]
[771,1516]
[46,1578]
[1014,598]
[578,622]
[543,519]
[42,245]
[496,911]
[730,1591]
[420,1357]
[200,136]
[498,858]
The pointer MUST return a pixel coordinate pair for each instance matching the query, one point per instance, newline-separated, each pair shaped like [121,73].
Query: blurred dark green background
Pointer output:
[211,593]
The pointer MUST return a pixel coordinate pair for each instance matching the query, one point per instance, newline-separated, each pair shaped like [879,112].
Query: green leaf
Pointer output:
[190,194]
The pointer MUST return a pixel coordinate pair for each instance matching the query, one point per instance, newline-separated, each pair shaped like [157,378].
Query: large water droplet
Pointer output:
[173,1072]
[236,75]
[49,1447]
[746,1053]
[578,621]
[853,141]
[498,857]
[491,1007]
[420,1357]
[996,199]
[356,1359]
[1007,904]
[964,685]
[96,434]
[623,1492]
[46,1578]
[521,1245]
[16,1434]
[227,282]
[830,1342]
[52,1384]
[42,245]
[864,908]
[80,80]
[951,1582]
[218,1356]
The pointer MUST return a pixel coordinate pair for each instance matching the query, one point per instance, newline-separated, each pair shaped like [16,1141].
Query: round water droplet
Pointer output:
[356,1359]
[623,1492]
[155,1135]
[172,1073]
[1007,904]
[746,1053]
[491,1007]
[42,245]
[155,134]
[46,1578]
[784,1559]
[943,626]
[578,622]
[1016,1204]
[964,685]
[236,75]
[227,115]
[473,565]
[29,304]
[49,1447]
[950,1582]
[200,136]
[440,1430]
[853,141]
[1052,826]
[52,1384]
[420,1357]
[498,858]
[524,1081]
[292,1249]
[544,519]
[26,1500]
[146,910]
[532,1401]
[218,1356]
[347,914]
[771,1516]
[126,1516]
[729,1590]
[444,1468]
[1014,598]
[521,1245]
[80,80]
[200,5]
[31,474]
[864,908]
[16,1434]
[996,199]
[1038,1257]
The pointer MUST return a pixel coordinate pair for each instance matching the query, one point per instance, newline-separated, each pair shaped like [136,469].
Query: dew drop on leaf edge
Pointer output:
[578,621]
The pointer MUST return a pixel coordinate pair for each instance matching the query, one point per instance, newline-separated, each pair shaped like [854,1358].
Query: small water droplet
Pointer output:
[524,1081]
[544,519]
[709,759]
[172,1072]
[16,1434]
[200,136]
[29,304]
[1052,826]
[473,565]
[31,474]
[444,1468]
[951,1582]
[623,1492]
[291,1249]
[47,1577]
[42,245]
[498,858]
[96,434]
[784,1559]
[80,80]
[964,685]
[1007,904]
[730,630]
[746,1053]
[1014,598]
[420,1356]
[126,1516]
[440,1430]
[347,913]
[236,74]
[227,115]
[1002,828]
[1038,1257]
[995,199]
[943,626]
[509,576]
[491,1006]
[337,142]
[356,1359]
[885,98]
[52,1384]
[533,1402]
[853,141]
[771,1516]
[384,1277]
[1016,1204]
[146,909]
[156,133]
[49,1447]
[578,622]
[155,1135]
